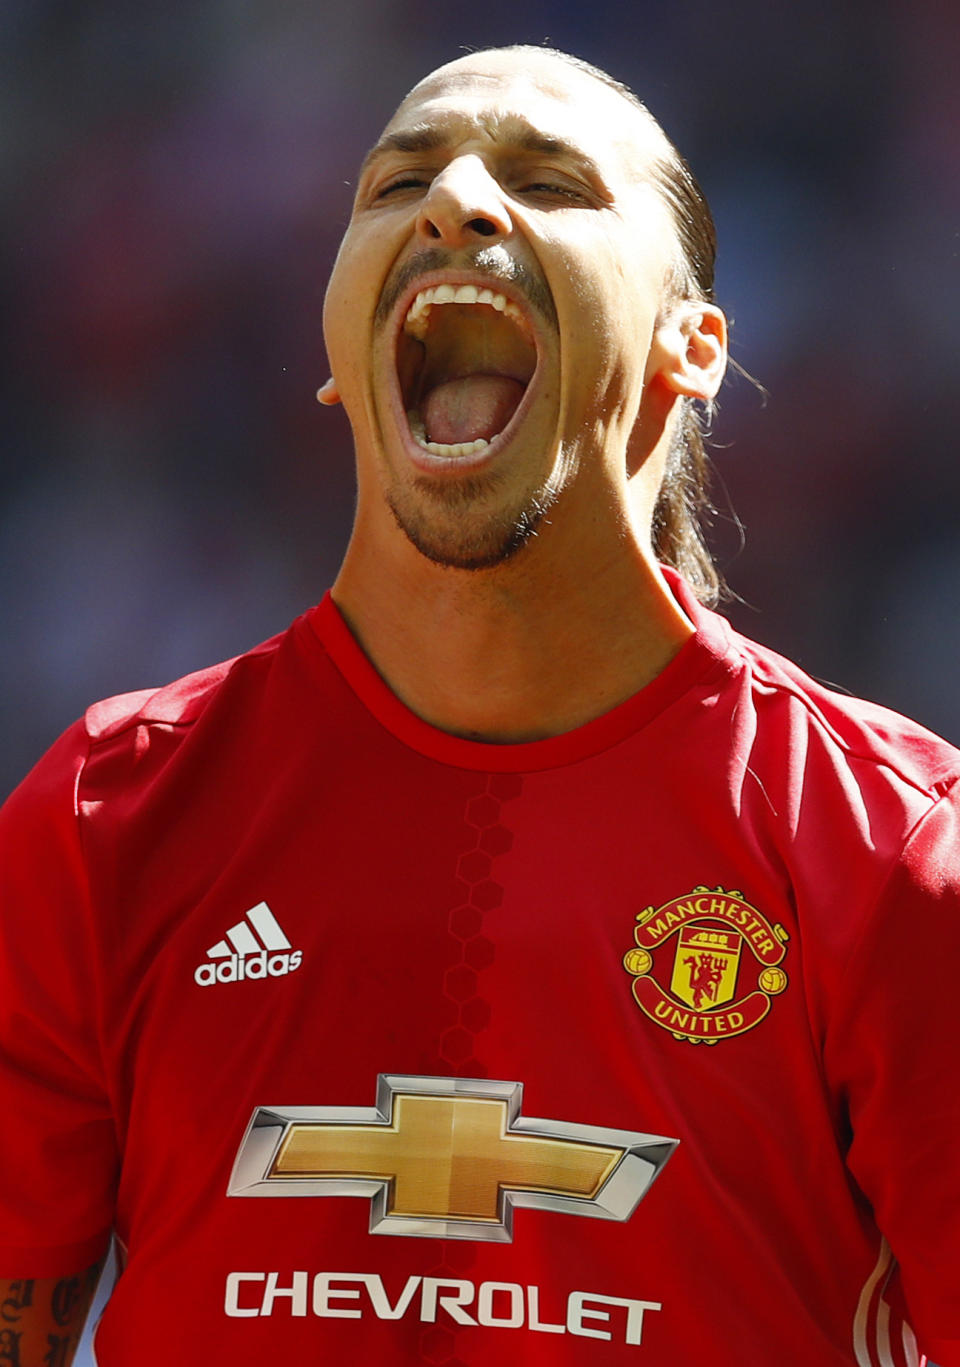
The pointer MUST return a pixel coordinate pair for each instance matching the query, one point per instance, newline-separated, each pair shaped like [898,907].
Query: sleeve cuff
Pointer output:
[64,1260]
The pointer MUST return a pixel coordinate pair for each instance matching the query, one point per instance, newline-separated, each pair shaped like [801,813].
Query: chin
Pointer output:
[448,528]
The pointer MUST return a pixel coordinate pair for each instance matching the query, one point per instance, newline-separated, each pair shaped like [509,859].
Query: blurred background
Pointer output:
[175,179]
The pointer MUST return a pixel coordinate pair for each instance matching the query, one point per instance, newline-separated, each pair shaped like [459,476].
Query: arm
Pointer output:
[58,1153]
[894,1047]
[41,1320]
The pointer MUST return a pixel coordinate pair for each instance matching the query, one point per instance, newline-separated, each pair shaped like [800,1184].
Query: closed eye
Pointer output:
[553,190]
[406,183]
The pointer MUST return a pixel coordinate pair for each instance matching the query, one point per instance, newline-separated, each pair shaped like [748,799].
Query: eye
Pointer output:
[404,183]
[555,191]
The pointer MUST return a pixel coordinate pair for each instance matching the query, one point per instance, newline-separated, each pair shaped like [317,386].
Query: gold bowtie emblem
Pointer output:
[448,1157]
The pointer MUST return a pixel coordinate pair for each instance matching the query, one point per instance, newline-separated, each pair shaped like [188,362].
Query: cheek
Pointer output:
[635,303]
[364,262]
[335,300]
[609,280]
[611,315]
[350,301]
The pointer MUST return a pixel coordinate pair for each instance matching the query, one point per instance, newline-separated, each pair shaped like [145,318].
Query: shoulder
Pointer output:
[179,703]
[781,727]
[132,735]
[809,722]
[856,811]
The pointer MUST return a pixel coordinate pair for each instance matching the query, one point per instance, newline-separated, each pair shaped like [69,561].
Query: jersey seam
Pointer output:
[121,728]
[882,884]
[928,788]
[94,742]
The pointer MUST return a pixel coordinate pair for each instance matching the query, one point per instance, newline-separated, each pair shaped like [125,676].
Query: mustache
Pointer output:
[493,263]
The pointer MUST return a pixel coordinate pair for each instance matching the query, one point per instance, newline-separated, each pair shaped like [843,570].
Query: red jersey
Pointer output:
[632,1045]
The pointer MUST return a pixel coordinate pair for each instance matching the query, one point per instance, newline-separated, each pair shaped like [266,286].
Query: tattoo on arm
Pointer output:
[60,1351]
[19,1297]
[41,1320]
[10,1347]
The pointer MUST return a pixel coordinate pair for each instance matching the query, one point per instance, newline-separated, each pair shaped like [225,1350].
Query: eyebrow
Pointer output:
[424,138]
[514,132]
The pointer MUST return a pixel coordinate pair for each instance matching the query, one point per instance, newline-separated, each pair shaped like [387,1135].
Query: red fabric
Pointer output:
[463,910]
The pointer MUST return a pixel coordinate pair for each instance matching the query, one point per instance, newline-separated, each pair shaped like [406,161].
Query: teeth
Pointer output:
[419,311]
[441,448]
[459,448]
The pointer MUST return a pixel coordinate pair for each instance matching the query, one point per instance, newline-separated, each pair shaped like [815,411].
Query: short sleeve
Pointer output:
[893,1051]
[58,1153]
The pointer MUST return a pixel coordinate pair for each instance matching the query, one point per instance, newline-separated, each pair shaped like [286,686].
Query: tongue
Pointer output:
[469,408]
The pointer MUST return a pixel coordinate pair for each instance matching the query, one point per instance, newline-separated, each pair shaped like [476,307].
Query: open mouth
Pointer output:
[465,357]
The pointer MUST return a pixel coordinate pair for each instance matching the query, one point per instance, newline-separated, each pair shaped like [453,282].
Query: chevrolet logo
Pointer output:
[447,1157]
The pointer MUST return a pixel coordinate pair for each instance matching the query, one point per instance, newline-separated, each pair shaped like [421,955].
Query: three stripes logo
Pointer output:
[255,947]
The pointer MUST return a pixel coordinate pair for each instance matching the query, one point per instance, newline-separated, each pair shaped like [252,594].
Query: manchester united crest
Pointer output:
[706,965]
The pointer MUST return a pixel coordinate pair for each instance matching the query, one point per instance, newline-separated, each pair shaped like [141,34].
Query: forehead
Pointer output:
[523,97]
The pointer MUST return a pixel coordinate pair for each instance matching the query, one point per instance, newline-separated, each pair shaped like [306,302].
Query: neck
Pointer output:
[530,649]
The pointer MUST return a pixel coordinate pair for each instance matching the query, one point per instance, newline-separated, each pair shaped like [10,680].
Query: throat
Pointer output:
[471,408]
[488,656]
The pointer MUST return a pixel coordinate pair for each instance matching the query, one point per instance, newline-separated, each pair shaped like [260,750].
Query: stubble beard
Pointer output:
[453,525]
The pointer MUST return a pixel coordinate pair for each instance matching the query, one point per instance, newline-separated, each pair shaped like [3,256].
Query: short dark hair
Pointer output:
[683,503]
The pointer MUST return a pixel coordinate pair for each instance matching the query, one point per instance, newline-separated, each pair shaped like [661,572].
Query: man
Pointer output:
[365,985]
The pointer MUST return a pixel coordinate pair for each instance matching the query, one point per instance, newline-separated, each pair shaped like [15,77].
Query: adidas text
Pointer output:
[237,967]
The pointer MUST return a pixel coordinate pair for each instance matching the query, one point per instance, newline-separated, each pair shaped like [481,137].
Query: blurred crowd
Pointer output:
[175,179]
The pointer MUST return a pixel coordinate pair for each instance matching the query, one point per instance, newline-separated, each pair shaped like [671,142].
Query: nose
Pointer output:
[464,203]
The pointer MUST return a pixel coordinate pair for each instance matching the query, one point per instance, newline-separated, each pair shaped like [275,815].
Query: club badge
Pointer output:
[706,965]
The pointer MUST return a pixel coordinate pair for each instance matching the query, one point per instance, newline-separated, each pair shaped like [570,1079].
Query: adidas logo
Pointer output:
[255,947]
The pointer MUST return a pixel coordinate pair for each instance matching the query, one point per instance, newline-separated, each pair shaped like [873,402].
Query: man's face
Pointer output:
[490,316]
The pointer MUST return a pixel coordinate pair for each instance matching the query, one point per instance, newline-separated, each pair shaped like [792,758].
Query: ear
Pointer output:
[328,393]
[689,352]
